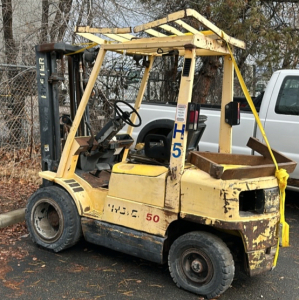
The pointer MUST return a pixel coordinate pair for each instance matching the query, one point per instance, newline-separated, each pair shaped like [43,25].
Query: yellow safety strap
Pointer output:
[281,174]
[83,49]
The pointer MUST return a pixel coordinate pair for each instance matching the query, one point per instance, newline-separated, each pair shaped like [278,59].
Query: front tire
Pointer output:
[52,219]
[201,263]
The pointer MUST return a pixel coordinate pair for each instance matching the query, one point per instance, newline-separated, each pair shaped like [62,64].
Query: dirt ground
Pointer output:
[13,195]
[18,176]
[18,180]
[93,272]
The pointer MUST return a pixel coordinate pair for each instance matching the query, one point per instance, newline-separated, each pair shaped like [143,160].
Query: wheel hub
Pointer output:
[126,115]
[47,220]
[196,266]
[53,218]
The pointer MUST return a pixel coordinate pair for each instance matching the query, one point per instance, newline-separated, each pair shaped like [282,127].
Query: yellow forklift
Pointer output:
[165,201]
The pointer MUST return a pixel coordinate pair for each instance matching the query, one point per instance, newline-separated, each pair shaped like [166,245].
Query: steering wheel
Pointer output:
[125,115]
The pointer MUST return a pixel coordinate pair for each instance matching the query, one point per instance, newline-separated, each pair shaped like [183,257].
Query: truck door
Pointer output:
[282,117]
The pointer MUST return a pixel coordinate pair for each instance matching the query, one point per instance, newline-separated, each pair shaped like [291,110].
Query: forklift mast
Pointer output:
[48,59]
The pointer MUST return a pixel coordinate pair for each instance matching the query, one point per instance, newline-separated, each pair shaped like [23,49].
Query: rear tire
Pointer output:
[52,219]
[201,263]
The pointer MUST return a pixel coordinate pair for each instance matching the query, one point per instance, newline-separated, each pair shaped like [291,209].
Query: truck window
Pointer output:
[288,97]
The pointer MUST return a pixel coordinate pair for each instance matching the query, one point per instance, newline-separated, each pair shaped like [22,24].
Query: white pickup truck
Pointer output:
[278,112]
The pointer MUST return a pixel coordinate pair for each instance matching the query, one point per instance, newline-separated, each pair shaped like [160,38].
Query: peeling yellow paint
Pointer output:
[218,199]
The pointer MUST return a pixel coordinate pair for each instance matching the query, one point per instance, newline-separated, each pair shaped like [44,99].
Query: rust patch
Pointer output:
[226,204]
[84,144]
[259,262]
[227,201]
[257,234]
[260,234]
[126,240]
[96,182]
[46,47]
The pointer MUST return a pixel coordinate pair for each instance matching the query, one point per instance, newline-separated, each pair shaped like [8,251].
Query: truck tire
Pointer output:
[201,263]
[52,219]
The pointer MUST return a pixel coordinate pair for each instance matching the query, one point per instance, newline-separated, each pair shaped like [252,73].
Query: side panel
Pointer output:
[218,199]
[122,239]
[139,188]
[89,200]
[137,216]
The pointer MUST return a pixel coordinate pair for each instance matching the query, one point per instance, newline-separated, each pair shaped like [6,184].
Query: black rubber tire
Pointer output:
[52,219]
[201,250]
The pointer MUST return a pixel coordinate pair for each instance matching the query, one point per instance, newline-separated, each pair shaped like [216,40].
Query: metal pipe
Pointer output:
[17,66]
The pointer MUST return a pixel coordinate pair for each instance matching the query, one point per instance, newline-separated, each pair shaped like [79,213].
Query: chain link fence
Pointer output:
[19,117]
[19,108]
[19,123]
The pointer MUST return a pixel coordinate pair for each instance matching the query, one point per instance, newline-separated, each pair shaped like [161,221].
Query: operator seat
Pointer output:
[157,146]
[194,136]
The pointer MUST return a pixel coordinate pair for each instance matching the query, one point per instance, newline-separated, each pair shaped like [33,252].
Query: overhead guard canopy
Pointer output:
[161,36]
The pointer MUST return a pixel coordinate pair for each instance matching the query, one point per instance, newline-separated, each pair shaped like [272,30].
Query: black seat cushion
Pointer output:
[157,146]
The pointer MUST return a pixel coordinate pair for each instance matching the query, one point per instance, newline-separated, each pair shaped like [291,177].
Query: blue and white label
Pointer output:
[178,130]
[176,150]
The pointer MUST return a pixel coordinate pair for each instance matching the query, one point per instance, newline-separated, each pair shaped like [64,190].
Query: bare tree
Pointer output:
[23,26]
[27,23]
[13,122]
[269,28]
